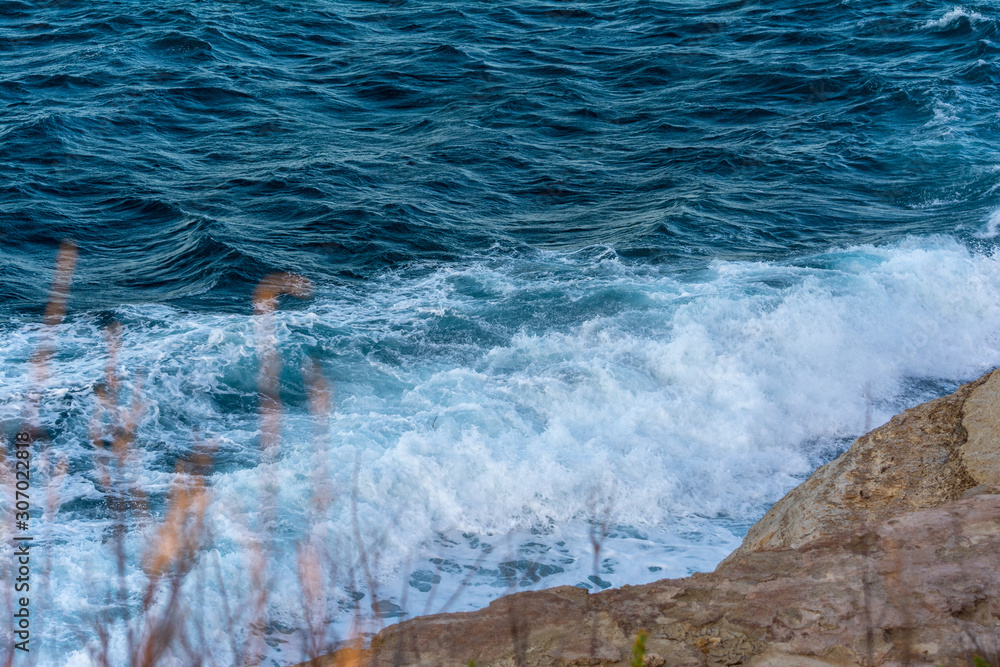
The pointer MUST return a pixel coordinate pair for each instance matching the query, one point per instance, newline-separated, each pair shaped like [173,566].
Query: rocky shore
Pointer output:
[888,555]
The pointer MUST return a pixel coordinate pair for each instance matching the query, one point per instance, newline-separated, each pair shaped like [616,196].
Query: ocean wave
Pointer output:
[954,15]
[490,403]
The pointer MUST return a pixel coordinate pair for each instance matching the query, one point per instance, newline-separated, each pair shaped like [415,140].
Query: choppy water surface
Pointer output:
[574,264]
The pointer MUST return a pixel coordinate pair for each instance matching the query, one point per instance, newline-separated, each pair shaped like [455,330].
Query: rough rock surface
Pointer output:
[921,458]
[888,555]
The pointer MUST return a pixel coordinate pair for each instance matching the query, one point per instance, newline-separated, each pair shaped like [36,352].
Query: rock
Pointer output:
[922,458]
[888,555]
[981,422]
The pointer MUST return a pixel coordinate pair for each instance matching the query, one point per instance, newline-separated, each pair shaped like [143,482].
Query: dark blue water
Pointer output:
[190,148]
[652,262]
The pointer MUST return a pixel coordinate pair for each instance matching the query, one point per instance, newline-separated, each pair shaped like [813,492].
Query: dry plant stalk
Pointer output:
[315,567]
[157,621]
[55,310]
[265,302]
[31,415]
[172,552]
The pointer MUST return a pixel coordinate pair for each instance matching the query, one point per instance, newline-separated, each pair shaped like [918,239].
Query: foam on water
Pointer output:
[992,228]
[953,15]
[498,411]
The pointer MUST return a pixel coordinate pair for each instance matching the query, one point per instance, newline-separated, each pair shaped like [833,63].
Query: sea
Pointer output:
[592,284]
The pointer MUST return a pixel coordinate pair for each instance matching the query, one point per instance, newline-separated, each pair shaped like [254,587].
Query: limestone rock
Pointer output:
[921,458]
[981,421]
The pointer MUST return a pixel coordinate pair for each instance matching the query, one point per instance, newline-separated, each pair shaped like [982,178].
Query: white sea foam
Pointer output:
[506,402]
[954,14]
[992,228]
